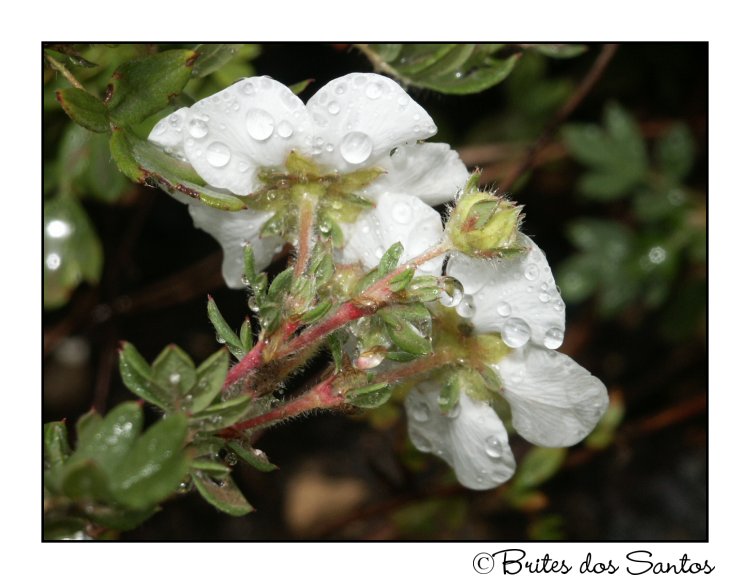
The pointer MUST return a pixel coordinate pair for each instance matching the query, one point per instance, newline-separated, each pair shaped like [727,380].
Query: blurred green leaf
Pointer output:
[84,480]
[56,446]
[212,57]
[72,251]
[448,68]
[675,152]
[223,494]
[558,50]
[154,467]
[209,467]
[174,368]
[84,109]
[539,465]
[605,431]
[142,87]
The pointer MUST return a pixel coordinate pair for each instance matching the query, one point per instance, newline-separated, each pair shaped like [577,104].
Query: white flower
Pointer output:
[361,120]
[554,401]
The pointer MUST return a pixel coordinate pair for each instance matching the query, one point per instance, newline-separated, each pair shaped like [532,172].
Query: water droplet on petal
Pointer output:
[403,101]
[285,129]
[197,128]
[174,120]
[451,292]
[243,167]
[515,332]
[544,297]
[420,412]
[160,128]
[218,154]
[493,446]
[553,338]
[466,308]
[334,108]
[356,147]
[503,309]
[531,272]
[420,442]
[374,90]
[401,213]
[340,88]
[259,124]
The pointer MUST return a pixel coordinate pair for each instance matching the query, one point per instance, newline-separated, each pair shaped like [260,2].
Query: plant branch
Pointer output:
[584,87]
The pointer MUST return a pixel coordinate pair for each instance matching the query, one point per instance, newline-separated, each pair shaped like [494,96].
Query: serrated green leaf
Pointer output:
[174,370]
[138,377]
[84,109]
[223,331]
[255,458]
[212,57]
[210,379]
[224,495]
[539,465]
[154,467]
[370,396]
[142,87]
[224,414]
[605,186]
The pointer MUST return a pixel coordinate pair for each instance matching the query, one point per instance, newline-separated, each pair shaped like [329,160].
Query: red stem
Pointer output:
[250,362]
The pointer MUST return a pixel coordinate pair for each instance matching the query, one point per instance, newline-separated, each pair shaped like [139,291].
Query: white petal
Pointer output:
[253,123]
[432,172]
[471,438]
[516,297]
[233,230]
[554,401]
[360,117]
[396,217]
[168,133]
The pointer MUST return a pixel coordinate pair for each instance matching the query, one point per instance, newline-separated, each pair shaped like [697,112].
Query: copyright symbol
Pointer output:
[483,563]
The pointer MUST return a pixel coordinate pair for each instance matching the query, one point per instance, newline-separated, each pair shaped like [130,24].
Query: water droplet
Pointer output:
[420,442]
[420,412]
[531,272]
[174,378]
[231,459]
[248,88]
[657,254]
[221,340]
[451,292]
[553,338]
[329,147]
[503,309]
[515,332]
[197,128]
[467,308]
[285,129]
[243,167]
[432,128]
[544,297]
[340,88]
[403,101]
[160,128]
[493,446]
[356,147]
[218,154]
[53,261]
[259,124]
[334,108]
[374,90]
[559,305]
[401,213]
[370,359]
[174,120]
[59,229]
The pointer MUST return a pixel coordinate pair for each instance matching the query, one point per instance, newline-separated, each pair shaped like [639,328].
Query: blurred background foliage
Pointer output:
[615,194]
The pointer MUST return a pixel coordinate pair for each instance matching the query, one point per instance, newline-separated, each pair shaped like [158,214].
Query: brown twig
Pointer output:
[587,83]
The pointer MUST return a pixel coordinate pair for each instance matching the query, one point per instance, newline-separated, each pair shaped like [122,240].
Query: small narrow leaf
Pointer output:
[224,494]
[56,447]
[84,109]
[209,467]
[390,258]
[315,314]
[223,331]
[371,396]
[402,280]
[210,379]
[138,377]
[254,457]
[246,335]
[224,414]
[539,465]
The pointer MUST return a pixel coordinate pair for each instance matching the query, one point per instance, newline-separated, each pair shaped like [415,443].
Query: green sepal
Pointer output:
[450,393]
[224,495]
[275,226]
[210,379]
[173,361]
[221,201]
[255,458]
[84,109]
[315,314]
[223,414]
[142,87]
[138,377]
[154,467]
[223,331]
[212,57]
[370,396]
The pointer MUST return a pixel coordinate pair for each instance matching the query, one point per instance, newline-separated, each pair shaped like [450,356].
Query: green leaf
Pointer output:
[174,369]
[155,466]
[224,414]
[315,314]
[224,332]
[390,258]
[56,446]
[87,426]
[539,465]
[83,479]
[101,179]
[254,457]
[370,396]
[121,150]
[120,519]
[336,347]
[280,285]
[84,109]
[559,51]
[448,68]
[138,377]
[224,494]
[246,335]
[72,250]
[145,86]
[209,467]
[409,327]
[212,57]
[675,152]
[210,379]
[300,86]
[450,393]
[402,280]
